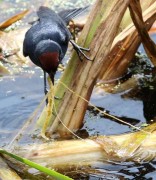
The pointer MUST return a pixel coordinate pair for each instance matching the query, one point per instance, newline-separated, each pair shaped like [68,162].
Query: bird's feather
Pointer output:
[69,14]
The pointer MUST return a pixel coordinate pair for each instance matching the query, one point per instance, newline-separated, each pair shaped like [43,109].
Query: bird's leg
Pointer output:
[45,86]
[80,50]
[45,83]
[51,75]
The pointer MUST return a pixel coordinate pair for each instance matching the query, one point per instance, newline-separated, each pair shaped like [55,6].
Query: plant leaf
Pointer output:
[13,19]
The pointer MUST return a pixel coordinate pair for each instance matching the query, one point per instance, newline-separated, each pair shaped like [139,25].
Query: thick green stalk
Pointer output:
[98,33]
[101,6]
[82,76]
[98,12]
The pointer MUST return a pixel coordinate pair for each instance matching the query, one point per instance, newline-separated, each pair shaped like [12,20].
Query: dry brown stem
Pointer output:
[136,14]
[6,173]
[124,47]
[72,109]
[138,146]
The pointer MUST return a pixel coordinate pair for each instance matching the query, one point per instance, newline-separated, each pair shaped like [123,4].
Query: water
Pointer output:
[21,93]
[19,96]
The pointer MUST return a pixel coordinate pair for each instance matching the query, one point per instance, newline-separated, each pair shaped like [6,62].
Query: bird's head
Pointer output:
[48,54]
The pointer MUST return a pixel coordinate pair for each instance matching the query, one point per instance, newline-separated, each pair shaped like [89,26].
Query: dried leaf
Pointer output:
[13,41]
[13,19]
[133,145]
[3,70]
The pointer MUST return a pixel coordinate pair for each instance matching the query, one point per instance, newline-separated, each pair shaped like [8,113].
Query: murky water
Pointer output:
[20,94]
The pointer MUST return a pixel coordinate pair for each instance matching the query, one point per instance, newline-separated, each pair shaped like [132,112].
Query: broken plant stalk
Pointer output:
[127,20]
[6,172]
[81,76]
[124,48]
[136,147]
[149,45]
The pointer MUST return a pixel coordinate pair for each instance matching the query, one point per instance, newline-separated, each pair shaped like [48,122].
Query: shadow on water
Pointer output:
[20,95]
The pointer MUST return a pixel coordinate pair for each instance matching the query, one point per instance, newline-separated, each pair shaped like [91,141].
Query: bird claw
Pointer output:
[81,54]
[80,50]
[84,49]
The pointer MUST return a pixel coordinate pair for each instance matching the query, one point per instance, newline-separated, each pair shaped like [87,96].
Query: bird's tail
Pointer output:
[69,14]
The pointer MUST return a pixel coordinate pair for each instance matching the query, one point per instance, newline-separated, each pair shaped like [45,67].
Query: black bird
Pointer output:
[46,42]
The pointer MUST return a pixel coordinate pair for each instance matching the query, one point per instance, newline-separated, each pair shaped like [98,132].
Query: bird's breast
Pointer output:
[49,61]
